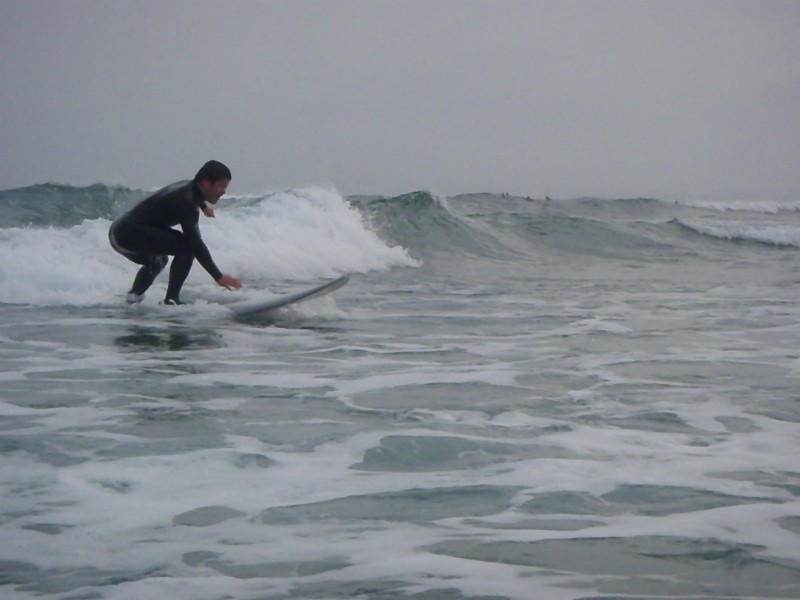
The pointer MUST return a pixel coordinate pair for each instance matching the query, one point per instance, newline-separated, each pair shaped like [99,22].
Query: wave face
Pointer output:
[493,226]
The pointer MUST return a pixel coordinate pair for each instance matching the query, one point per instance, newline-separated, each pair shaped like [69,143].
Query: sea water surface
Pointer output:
[512,399]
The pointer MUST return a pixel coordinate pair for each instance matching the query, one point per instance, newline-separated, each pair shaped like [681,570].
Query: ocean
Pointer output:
[513,398]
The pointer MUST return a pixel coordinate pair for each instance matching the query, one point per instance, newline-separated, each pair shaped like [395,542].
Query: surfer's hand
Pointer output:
[208,211]
[229,282]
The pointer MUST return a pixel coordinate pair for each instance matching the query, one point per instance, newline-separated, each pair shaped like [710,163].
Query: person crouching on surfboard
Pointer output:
[145,234]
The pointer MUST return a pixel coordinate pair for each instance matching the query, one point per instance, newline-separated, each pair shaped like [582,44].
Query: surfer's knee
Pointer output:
[156,264]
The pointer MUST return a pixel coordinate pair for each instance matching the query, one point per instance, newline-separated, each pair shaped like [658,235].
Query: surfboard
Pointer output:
[249,308]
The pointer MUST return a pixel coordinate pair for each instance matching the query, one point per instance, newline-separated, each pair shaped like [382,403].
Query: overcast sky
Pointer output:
[531,97]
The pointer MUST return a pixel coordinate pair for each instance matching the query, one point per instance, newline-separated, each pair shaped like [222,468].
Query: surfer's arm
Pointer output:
[189,218]
[191,230]
[201,252]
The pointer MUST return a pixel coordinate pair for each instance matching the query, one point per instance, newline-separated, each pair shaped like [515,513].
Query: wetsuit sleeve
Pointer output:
[191,230]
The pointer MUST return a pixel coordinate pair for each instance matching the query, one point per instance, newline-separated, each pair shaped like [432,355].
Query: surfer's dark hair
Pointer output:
[213,171]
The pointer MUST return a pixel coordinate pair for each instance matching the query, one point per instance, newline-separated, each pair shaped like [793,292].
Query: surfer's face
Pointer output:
[213,191]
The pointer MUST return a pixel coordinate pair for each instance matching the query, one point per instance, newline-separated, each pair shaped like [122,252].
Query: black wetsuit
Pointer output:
[145,236]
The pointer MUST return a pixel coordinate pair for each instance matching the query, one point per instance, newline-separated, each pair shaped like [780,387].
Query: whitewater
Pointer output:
[513,398]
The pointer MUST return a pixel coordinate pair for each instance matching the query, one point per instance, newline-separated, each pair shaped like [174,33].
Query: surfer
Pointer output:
[145,234]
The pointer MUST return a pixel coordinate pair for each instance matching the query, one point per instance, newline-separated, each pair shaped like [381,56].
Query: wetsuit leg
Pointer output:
[149,247]
[178,272]
[153,265]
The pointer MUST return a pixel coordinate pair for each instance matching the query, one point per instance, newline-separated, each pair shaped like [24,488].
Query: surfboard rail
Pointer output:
[258,306]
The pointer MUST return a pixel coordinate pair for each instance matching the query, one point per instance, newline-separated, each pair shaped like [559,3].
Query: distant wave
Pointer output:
[512,228]
[772,235]
[756,204]
[57,205]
